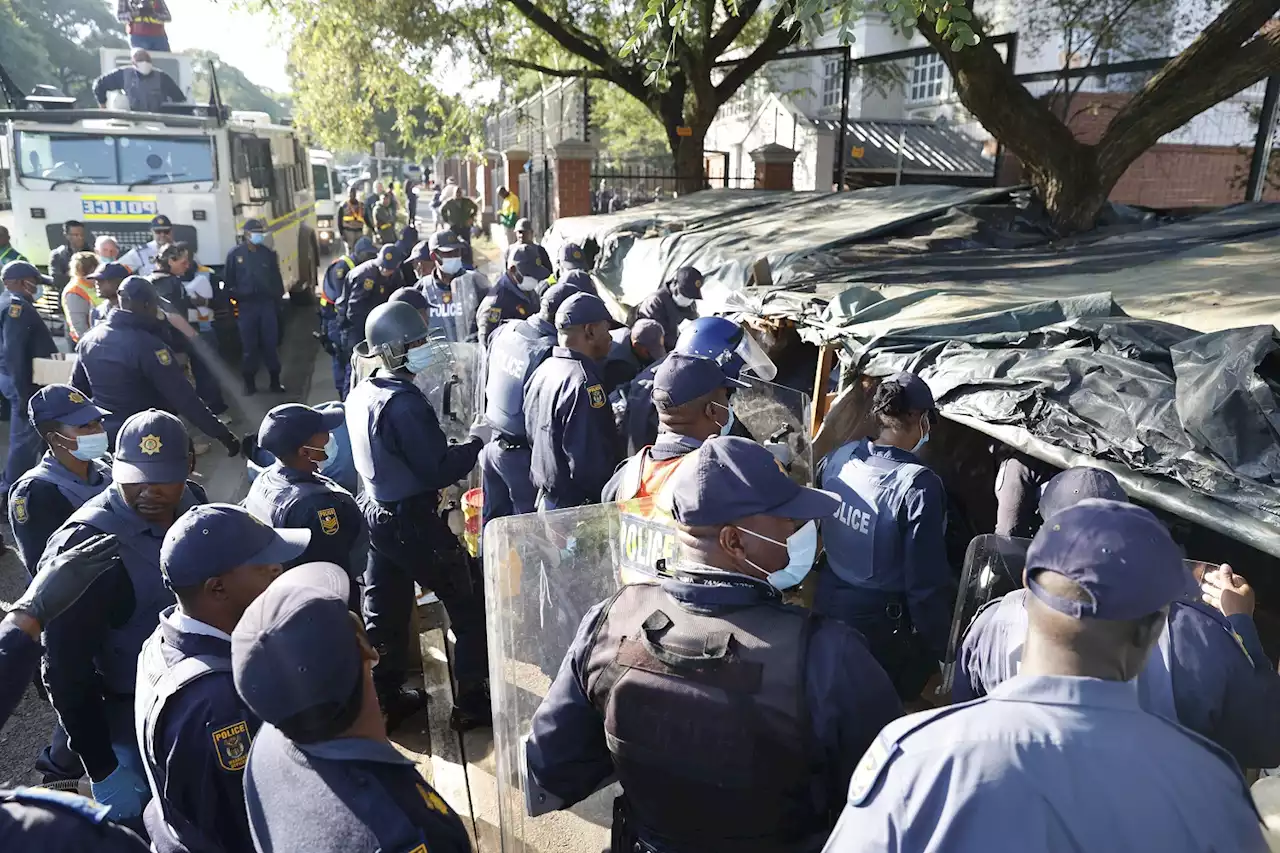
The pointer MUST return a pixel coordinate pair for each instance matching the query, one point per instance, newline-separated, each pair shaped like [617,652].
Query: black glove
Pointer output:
[64,578]
[327,345]
[232,444]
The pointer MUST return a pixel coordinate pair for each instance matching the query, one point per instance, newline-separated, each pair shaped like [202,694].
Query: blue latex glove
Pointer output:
[125,791]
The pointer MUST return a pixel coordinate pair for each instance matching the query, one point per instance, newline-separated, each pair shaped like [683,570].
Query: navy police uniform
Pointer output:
[634,414]
[23,336]
[511,297]
[192,728]
[19,660]
[37,820]
[330,292]
[252,276]
[452,300]
[661,307]
[623,362]
[310,789]
[752,747]
[1055,761]
[404,459]
[365,289]
[127,368]
[91,654]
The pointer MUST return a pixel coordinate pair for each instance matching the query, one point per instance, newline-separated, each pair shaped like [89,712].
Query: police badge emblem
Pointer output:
[15,310]
[74,397]
[597,396]
[162,356]
[328,521]
[20,510]
[150,445]
[231,743]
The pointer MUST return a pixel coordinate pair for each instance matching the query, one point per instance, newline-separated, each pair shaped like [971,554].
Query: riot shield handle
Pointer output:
[448,395]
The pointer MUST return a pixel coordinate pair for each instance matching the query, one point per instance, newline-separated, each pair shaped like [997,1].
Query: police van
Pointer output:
[328,197]
[205,168]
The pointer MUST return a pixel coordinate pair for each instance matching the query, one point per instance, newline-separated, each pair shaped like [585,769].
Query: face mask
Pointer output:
[329,450]
[451,266]
[35,297]
[90,447]
[257,238]
[103,259]
[143,68]
[802,550]
[528,283]
[924,437]
[418,359]
[682,301]
[728,427]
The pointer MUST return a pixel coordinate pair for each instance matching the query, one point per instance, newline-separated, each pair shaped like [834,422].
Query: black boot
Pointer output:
[249,387]
[471,708]
[401,705]
[275,387]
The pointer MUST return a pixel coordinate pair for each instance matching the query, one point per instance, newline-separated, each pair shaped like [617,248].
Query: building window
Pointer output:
[831,78]
[928,79]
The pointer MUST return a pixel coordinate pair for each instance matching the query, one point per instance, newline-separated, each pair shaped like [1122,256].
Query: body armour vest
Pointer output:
[364,408]
[76,491]
[515,350]
[272,494]
[706,719]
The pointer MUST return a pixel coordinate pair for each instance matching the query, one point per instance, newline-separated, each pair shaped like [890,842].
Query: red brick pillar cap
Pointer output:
[575,149]
[774,153]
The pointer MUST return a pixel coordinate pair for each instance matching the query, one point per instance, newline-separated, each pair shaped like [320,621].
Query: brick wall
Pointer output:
[1166,176]
[515,167]
[775,176]
[573,187]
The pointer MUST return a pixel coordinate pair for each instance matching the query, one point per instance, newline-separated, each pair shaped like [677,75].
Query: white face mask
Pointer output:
[924,435]
[451,266]
[682,301]
[728,425]
[528,283]
[802,550]
[143,68]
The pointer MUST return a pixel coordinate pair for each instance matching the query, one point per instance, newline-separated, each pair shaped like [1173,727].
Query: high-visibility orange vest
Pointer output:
[76,288]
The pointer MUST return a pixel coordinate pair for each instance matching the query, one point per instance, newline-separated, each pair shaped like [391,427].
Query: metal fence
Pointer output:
[541,122]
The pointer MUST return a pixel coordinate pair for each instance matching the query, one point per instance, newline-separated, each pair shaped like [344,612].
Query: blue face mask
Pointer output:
[330,451]
[90,447]
[451,266]
[257,238]
[802,550]
[924,436]
[728,425]
[39,292]
[418,358]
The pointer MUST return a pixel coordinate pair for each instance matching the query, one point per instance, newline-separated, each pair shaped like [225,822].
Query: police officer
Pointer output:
[567,417]
[887,573]
[1210,673]
[351,218]
[292,492]
[404,459]
[631,351]
[735,721]
[1019,479]
[367,286]
[453,292]
[252,276]
[322,776]
[514,295]
[127,368]
[672,303]
[580,279]
[37,819]
[692,397]
[515,351]
[141,260]
[572,259]
[1061,757]
[523,234]
[91,655]
[413,297]
[23,336]
[193,729]
[330,335]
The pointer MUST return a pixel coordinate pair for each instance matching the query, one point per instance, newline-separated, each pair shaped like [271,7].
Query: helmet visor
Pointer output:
[754,358]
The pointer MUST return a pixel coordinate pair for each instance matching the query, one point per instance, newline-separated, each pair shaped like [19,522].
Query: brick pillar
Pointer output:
[573,178]
[775,165]
[513,160]
[491,166]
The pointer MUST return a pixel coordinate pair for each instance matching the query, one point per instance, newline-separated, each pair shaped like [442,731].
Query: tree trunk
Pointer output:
[691,168]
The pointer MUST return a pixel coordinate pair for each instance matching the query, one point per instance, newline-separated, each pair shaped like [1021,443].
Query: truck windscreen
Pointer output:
[320,177]
[101,159]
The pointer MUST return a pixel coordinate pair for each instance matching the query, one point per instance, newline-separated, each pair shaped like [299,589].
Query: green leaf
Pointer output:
[941,26]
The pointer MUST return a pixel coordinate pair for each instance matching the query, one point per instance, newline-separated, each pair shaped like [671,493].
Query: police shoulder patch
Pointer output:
[328,521]
[163,356]
[15,309]
[231,743]
[240,259]
[433,801]
[873,762]
[20,510]
[521,310]
[367,284]
[597,396]
[494,314]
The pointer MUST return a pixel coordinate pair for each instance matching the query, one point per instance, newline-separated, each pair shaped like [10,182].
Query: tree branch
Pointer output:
[775,42]
[733,26]
[589,73]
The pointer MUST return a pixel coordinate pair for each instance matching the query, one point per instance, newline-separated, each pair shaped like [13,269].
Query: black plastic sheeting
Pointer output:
[1158,398]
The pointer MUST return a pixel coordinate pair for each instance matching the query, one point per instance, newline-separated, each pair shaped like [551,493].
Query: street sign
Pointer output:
[379,149]
[859,152]
[684,131]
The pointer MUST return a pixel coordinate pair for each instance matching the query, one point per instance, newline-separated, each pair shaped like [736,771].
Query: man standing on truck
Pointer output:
[147,88]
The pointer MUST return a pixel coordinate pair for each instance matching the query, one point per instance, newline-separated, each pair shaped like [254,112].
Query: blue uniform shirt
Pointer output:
[452,305]
[43,498]
[36,819]
[1223,686]
[365,288]
[127,368]
[202,781]
[19,657]
[23,336]
[1047,764]
[286,497]
[849,699]
[253,274]
[343,795]
[506,301]
[569,424]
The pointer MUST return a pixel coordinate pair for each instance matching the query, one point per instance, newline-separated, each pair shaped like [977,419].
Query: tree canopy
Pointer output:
[238,91]
[56,42]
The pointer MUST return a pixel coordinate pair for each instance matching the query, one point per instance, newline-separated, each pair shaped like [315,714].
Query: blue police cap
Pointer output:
[688,283]
[554,296]
[581,309]
[528,261]
[732,478]
[295,647]
[212,539]
[918,396]
[649,334]
[160,222]
[151,447]
[1119,554]
[65,405]
[364,246]
[572,257]
[22,271]
[287,427]
[421,251]
[1076,484]
[109,272]
[138,290]
[580,279]
[445,241]
[390,257]
[410,295]
[254,224]
[682,378]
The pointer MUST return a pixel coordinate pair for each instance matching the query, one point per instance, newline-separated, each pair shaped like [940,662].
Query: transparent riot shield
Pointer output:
[543,572]
[452,385]
[778,417]
[992,567]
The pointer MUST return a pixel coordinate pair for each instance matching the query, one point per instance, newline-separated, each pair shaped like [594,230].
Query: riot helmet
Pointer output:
[391,330]
[729,345]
